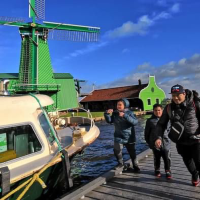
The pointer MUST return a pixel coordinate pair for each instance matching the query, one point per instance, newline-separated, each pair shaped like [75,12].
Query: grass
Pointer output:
[84,114]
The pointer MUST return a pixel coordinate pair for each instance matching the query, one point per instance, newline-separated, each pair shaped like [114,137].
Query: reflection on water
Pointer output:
[98,157]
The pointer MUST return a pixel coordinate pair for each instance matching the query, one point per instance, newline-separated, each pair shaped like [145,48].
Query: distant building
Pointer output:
[141,96]
[151,94]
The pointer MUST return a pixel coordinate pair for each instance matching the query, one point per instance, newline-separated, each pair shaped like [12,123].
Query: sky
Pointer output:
[138,38]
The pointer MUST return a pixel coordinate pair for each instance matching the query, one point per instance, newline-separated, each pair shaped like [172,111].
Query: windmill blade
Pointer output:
[60,31]
[73,36]
[37,9]
[11,21]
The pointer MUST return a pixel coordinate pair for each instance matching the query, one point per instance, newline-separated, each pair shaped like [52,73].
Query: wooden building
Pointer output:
[141,96]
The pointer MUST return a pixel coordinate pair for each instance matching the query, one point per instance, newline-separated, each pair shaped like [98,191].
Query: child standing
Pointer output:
[164,151]
[124,121]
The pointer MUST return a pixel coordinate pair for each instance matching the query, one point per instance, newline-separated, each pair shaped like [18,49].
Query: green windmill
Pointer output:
[35,71]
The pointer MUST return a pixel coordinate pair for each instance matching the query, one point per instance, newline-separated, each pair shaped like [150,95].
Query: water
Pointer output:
[98,157]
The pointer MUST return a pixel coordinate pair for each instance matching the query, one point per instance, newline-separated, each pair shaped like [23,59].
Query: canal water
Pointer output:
[98,157]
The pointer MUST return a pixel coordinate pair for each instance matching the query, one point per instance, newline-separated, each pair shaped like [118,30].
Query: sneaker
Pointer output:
[119,166]
[168,174]
[157,173]
[195,180]
[136,168]
[195,183]
[126,166]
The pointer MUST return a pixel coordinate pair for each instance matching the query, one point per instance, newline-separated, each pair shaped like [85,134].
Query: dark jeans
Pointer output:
[118,152]
[165,154]
[191,156]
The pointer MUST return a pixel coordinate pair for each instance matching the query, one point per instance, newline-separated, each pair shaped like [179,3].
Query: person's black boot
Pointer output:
[136,168]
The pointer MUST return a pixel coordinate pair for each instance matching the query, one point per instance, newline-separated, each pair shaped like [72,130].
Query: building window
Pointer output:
[149,102]
[18,141]
[157,101]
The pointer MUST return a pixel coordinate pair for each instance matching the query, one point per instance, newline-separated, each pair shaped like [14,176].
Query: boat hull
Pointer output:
[53,177]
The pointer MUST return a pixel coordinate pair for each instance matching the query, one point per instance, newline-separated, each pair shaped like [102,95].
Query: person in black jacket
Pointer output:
[150,136]
[183,110]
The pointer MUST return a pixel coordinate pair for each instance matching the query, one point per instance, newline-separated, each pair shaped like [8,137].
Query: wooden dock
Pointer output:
[141,186]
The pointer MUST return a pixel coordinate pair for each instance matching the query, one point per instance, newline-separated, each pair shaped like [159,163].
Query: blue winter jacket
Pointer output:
[124,126]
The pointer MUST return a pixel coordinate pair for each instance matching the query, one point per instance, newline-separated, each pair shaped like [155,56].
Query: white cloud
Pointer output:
[185,72]
[144,66]
[175,8]
[89,48]
[128,29]
[162,15]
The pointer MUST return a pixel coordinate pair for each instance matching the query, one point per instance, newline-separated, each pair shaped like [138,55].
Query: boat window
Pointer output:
[157,101]
[17,141]
[46,128]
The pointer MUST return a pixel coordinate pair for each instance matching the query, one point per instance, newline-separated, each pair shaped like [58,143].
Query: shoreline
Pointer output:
[137,113]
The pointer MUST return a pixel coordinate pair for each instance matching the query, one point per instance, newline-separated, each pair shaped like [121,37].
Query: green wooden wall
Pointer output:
[67,96]
[151,94]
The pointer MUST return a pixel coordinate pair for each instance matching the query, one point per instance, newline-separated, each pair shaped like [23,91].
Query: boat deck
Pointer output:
[65,135]
[143,185]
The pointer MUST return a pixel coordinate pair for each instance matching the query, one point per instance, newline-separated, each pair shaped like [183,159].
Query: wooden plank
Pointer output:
[146,186]
[100,180]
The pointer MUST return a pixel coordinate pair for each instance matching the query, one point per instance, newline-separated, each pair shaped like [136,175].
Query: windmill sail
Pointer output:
[11,21]
[37,9]
[60,31]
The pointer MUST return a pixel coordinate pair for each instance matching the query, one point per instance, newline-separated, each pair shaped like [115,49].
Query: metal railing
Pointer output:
[88,113]
[28,87]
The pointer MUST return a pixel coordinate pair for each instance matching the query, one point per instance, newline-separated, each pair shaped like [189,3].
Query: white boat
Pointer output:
[35,145]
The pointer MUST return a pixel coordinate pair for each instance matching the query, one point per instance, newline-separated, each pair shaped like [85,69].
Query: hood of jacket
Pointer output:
[189,96]
[126,102]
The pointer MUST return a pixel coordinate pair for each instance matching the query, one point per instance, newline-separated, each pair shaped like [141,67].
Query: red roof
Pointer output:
[117,93]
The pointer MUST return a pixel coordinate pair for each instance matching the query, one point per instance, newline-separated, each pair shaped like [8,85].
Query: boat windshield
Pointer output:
[46,128]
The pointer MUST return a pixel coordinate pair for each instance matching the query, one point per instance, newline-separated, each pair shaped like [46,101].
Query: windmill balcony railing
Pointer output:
[34,87]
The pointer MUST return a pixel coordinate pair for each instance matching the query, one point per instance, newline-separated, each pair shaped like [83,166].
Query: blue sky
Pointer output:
[138,38]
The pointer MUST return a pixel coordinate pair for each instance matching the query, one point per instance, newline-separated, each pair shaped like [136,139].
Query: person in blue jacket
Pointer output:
[124,122]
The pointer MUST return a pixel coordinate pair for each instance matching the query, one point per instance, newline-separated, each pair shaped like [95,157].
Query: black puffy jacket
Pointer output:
[150,134]
[189,119]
